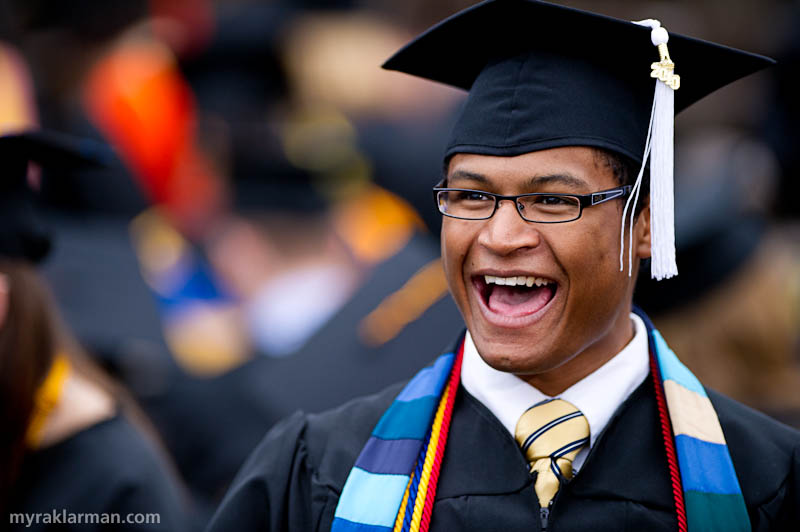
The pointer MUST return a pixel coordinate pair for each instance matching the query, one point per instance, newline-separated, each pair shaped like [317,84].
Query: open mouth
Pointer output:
[515,296]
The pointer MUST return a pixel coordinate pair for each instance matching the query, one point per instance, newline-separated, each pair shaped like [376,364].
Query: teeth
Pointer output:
[516,281]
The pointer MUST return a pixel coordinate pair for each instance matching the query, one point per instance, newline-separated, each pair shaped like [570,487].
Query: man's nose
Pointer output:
[506,231]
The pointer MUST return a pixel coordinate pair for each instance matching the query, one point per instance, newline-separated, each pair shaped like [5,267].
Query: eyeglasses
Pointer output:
[539,207]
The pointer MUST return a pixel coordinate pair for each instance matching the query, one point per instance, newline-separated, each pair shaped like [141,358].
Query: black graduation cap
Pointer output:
[241,73]
[543,76]
[22,232]
[263,177]
[241,85]
[540,75]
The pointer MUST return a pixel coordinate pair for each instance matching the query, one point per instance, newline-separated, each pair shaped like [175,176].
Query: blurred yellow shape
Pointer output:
[375,224]
[407,304]
[17,108]
[208,339]
[160,249]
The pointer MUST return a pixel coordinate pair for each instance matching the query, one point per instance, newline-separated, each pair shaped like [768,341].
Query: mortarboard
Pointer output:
[240,73]
[22,232]
[240,84]
[542,76]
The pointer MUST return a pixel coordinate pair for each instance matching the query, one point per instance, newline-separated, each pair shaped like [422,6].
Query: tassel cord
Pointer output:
[634,198]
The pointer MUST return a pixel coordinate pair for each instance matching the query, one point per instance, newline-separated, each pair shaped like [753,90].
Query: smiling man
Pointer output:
[561,407]
[538,279]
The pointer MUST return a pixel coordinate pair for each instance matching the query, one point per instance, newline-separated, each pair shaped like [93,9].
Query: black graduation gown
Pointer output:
[293,479]
[107,468]
[211,425]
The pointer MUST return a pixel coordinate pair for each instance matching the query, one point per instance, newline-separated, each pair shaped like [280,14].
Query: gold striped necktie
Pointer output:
[550,434]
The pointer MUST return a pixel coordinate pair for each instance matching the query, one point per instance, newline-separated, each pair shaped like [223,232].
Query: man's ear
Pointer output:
[641,233]
[3,299]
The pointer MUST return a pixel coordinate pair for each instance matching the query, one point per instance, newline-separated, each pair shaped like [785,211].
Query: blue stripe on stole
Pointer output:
[407,420]
[673,369]
[384,493]
[392,457]
[343,525]
[429,380]
[705,467]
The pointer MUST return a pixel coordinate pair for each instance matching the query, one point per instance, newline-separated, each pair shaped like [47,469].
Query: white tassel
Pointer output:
[662,199]
[659,148]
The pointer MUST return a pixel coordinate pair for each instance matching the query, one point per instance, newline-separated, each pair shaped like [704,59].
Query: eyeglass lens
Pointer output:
[538,208]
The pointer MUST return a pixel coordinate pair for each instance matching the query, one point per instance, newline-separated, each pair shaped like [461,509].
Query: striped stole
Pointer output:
[393,483]
[711,497]
[392,486]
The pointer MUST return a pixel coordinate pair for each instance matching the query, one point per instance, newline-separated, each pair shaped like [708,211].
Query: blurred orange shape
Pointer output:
[137,97]
[17,108]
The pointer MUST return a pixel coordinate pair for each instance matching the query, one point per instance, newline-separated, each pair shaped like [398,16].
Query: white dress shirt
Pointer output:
[598,395]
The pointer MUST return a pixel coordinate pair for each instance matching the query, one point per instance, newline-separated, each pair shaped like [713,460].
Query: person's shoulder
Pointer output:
[765,452]
[351,422]
[112,466]
[760,431]
[111,446]
[115,442]
[305,458]
[329,441]
[126,460]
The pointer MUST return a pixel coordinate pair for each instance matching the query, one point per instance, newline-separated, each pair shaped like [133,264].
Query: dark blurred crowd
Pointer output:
[256,234]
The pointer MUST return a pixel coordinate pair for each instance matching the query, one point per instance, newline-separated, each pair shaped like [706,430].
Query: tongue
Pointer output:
[514,301]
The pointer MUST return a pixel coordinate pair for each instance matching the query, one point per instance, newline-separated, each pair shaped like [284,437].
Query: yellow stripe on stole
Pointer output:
[401,515]
[422,491]
[692,414]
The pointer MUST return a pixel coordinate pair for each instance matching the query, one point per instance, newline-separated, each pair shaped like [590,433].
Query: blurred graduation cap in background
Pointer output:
[23,232]
[61,212]
[89,20]
[240,70]
[242,95]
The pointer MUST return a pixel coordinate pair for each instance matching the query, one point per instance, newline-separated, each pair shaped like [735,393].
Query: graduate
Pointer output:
[75,454]
[561,407]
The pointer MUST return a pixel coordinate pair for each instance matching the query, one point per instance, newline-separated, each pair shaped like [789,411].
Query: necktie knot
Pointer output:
[550,435]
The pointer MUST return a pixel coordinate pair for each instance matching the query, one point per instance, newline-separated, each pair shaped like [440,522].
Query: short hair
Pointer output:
[625,171]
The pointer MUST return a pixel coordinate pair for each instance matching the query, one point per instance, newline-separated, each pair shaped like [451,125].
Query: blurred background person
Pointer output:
[311,265]
[326,272]
[72,441]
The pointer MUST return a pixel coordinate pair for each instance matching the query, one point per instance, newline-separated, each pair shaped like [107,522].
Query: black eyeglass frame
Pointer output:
[584,200]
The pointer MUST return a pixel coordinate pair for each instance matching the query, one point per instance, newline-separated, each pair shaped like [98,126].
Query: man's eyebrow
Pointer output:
[532,183]
[557,179]
[469,176]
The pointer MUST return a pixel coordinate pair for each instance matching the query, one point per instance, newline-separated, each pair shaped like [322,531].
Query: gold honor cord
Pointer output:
[47,397]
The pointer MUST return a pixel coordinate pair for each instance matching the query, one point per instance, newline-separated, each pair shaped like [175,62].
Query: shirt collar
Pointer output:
[597,395]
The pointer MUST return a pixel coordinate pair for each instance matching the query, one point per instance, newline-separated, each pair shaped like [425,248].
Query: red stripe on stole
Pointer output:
[669,444]
[455,378]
